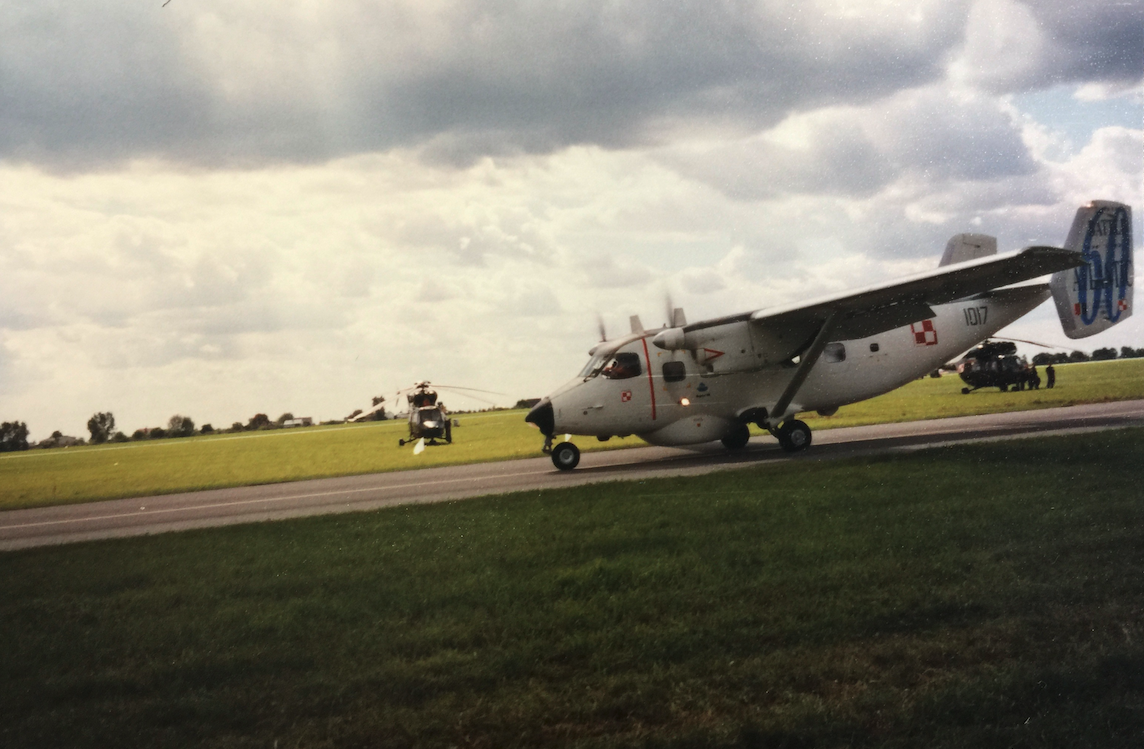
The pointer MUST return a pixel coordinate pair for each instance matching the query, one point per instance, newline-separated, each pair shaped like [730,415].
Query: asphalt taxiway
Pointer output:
[173,512]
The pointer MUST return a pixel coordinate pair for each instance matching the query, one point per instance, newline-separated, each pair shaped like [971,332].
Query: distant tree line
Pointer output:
[1101,354]
[101,428]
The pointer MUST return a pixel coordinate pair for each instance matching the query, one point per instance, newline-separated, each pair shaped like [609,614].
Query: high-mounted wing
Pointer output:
[872,310]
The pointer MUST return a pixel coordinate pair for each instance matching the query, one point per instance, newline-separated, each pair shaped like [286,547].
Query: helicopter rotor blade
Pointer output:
[473,390]
[1034,343]
[600,325]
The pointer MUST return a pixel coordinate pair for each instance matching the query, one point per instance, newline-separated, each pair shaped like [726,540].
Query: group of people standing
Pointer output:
[1031,379]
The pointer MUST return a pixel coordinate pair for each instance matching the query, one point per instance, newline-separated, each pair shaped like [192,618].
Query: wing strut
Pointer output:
[807,360]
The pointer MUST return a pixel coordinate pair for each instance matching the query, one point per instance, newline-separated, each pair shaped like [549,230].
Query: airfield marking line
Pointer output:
[265,500]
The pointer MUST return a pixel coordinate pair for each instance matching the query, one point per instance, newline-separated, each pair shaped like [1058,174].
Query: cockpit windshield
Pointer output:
[594,365]
[614,366]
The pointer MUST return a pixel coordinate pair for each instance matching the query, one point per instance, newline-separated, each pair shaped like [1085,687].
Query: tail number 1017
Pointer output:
[976,315]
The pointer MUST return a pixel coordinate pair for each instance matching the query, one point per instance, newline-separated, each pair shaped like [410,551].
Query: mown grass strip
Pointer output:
[964,596]
[37,478]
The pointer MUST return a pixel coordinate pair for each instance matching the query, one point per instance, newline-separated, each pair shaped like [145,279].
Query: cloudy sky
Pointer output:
[217,209]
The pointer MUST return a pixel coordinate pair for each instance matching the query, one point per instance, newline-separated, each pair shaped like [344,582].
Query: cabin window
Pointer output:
[874,348]
[623,366]
[834,353]
[674,371]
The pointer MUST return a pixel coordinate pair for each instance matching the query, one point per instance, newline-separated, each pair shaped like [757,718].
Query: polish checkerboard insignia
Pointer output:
[924,334]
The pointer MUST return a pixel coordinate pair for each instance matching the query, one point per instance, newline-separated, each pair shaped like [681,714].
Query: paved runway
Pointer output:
[139,516]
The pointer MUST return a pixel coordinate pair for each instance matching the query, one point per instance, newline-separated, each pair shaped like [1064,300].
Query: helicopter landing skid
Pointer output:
[428,443]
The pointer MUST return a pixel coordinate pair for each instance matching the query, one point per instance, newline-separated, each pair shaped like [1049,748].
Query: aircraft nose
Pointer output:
[543,417]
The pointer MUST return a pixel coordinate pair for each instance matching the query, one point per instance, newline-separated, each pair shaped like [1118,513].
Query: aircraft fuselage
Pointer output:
[703,393]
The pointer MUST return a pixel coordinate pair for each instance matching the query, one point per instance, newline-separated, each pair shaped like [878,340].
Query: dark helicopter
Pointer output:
[428,419]
[996,364]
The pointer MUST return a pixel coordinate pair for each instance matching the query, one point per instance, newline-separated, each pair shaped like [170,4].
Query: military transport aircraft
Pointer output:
[691,383]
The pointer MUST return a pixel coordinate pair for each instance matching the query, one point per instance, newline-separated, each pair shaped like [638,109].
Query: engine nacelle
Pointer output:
[672,339]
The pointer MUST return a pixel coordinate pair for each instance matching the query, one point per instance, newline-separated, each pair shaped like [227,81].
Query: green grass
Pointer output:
[972,596]
[45,477]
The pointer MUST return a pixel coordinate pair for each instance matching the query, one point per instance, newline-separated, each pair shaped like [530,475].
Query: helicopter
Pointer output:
[428,419]
[995,364]
[685,384]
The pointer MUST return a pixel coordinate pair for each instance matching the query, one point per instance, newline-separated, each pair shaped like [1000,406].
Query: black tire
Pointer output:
[965,391]
[401,443]
[565,456]
[794,436]
[738,437]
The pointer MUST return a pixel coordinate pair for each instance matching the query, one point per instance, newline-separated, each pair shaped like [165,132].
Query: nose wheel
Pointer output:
[565,456]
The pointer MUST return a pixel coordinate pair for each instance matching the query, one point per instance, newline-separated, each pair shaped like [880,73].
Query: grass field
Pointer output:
[44,477]
[969,596]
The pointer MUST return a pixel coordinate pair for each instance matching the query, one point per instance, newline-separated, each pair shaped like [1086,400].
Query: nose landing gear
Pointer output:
[565,456]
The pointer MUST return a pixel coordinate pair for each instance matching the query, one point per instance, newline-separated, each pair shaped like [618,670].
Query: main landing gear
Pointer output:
[793,435]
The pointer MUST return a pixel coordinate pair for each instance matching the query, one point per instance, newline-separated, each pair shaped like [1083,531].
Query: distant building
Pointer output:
[305,421]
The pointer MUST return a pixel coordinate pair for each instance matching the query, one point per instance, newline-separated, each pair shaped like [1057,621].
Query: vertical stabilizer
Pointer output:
[962,247]
[1097,295]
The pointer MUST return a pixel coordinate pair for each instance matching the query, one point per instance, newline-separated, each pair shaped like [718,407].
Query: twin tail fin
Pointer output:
[1098,294]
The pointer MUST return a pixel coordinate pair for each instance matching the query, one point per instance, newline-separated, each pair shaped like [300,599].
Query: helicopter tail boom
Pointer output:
[1098,294]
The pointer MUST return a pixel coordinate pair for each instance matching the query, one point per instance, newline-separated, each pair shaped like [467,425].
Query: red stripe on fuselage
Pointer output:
[650,379]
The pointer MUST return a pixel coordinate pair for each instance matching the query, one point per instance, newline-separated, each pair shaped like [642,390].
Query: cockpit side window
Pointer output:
[674,371]
[623,366]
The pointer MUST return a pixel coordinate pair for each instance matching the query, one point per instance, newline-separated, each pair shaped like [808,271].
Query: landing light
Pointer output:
[685,401]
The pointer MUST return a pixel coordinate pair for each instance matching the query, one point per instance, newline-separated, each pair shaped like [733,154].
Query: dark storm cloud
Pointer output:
[98,82]
[1090,42]
[94,82]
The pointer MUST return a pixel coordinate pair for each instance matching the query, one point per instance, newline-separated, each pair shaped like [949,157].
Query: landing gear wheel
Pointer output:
[965,391]
[401,443]
[794,436]
[565,456]
[738,438]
